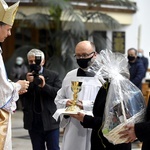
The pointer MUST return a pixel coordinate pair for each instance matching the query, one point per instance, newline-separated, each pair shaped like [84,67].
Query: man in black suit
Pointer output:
[38,103]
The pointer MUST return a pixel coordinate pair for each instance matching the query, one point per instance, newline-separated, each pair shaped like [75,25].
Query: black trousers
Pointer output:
[41,140]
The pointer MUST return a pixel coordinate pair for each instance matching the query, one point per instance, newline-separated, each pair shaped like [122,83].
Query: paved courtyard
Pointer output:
[20,138]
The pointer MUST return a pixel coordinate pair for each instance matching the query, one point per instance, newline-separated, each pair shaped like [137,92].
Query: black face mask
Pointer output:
[84,63]
[131,58]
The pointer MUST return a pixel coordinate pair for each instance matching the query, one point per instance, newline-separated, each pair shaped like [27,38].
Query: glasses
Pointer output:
[83,56]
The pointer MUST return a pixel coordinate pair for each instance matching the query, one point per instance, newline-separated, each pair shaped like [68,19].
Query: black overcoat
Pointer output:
[38,103]
[98,141]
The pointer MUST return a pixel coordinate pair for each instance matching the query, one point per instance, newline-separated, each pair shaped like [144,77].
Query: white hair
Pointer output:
[36,52]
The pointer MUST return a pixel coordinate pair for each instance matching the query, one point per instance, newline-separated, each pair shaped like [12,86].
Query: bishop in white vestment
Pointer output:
[8,90]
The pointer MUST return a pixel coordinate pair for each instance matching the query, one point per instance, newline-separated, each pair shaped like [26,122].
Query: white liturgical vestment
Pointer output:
[75,136]
[8,90]
[8,97]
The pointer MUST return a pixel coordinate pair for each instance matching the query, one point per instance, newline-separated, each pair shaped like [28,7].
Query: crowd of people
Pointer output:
[42,93]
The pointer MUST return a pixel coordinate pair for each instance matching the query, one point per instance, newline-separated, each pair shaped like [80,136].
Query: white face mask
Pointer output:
[140,54]
[19,61]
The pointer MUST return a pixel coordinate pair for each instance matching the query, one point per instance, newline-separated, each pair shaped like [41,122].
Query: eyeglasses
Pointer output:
[83,56]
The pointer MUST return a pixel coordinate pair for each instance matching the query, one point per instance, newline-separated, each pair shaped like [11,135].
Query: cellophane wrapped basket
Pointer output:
[124,102]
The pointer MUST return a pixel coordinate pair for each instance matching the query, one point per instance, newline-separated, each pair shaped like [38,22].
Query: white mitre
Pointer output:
[7,14]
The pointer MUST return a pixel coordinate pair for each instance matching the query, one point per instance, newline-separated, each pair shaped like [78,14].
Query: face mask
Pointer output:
[131,58]
[19,61]
[84,63]
[140,55]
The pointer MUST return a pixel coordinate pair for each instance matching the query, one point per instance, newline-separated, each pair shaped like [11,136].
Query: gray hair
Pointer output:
[36,52]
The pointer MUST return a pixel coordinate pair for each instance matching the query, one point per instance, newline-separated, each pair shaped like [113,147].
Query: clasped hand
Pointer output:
[71,102]
[79,116]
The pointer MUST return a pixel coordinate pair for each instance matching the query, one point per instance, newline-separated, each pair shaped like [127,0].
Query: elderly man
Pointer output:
[144,59]
[38,103]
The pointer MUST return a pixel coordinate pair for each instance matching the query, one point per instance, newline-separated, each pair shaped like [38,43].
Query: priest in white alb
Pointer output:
[76,137]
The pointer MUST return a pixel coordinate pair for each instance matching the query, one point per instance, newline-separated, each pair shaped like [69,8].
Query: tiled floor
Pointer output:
[21,140]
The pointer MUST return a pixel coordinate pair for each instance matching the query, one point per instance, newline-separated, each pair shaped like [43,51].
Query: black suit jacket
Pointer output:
[38,103]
